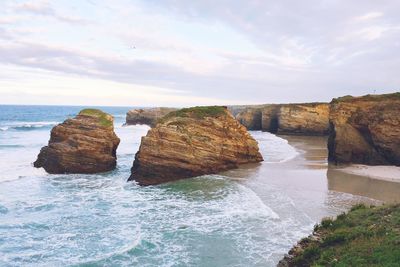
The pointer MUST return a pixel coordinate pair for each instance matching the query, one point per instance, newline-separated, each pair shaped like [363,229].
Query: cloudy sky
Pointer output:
[182,53]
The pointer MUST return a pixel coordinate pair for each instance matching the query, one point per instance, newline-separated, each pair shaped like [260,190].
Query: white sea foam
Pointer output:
[27,125]
[100,219]
[273,148]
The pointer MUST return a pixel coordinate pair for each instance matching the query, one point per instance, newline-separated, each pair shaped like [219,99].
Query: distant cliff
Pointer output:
[299,119]
[365,130]
[147,116]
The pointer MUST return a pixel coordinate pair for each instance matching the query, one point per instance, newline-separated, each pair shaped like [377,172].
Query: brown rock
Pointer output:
[148,116]
[84,144]
[270,118]
[304,119]
[365,130]
[296,119]
[250,118]
[192,142]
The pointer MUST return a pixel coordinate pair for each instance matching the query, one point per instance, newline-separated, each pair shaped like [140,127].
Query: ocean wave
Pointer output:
[26,126]
[273,148]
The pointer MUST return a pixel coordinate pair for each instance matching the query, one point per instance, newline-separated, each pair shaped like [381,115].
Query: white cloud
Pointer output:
[369,16]
[253,51]
[44,8]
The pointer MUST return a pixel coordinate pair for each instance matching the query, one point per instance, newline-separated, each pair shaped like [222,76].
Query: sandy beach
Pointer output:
[387,173]
[308,176]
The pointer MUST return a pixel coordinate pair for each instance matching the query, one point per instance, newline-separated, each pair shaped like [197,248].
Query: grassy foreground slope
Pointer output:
[365,236]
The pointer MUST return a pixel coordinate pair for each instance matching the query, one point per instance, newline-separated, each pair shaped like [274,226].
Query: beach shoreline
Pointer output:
[386,173]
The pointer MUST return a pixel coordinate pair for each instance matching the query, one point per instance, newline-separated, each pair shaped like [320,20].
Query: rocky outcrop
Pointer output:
[84,144]
[250,118]
[270,118]
[291,119]
[192,142]
[148,116]
[304,119]
[365,130]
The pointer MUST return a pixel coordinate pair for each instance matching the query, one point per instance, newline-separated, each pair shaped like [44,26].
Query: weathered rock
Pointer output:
[236,109]
[250,118]
[148,116]
[270,118]
[304,119]
[296,119]
[290,119]
[365,130]
[192,142]
[84,144]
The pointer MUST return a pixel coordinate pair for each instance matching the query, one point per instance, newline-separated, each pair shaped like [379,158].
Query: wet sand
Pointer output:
[303,189]
[387,191]
[376,182]
[388,173]
[308,178]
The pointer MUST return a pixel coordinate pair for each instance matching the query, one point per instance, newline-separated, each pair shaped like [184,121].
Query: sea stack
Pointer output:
[365,130]
[192,142]
[147,116]
[84,144]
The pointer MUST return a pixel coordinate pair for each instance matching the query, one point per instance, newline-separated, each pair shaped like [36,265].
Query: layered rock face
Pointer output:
[192,142]
[148,116]
[299,119]
[304,119]
[84,144]
[365,130]
[270,118]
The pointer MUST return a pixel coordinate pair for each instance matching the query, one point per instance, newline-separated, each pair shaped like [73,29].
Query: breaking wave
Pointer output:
[26,126]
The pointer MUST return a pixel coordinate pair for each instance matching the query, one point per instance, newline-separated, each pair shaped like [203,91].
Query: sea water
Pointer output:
[245,217]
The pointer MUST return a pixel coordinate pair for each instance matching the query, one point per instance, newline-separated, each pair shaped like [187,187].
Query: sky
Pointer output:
[185,53]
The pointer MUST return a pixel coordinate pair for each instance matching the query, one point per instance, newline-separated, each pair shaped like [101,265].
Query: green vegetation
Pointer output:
[103,117]
[365,236]
[196,112]
[368,97]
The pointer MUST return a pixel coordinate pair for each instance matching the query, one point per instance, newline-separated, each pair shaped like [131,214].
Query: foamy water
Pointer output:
[245,217]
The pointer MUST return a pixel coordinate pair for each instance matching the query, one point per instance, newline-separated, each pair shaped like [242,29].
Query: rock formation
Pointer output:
[84,144]
[270,118]
[192,142]
[365,130]
[250,118]
[148,116]
[298,119]
[304,119]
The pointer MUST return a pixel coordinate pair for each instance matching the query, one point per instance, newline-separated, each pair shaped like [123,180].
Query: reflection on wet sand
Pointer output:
[360,185]
[315,153]
[314,149]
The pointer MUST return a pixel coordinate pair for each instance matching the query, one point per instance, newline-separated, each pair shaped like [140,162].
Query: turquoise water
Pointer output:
[245,217]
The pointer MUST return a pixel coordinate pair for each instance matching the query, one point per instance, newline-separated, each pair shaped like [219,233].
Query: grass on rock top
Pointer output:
[196,112]
[392,96]
[362,237]
[103,117]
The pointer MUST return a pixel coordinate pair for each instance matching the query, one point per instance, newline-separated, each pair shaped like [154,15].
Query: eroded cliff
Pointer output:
[365,130]
[291,119]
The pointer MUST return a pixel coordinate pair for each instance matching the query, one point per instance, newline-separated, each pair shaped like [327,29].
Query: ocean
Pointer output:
[245,217]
